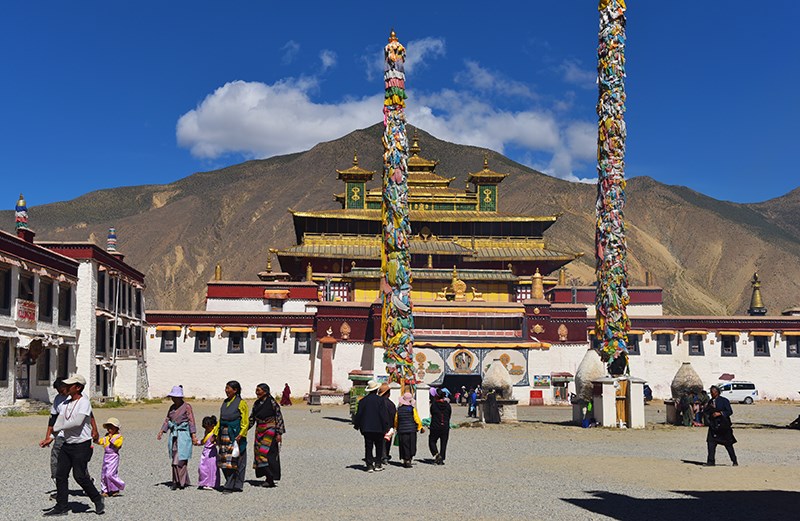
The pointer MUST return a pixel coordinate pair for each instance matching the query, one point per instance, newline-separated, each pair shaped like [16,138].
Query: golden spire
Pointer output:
[756,302]
[414,144]
[269,262]
[218,272]
[430,261]
[309,272]
[21,201]
[537,287]
[392,36]
[562,276]
[486,160]
[355,158]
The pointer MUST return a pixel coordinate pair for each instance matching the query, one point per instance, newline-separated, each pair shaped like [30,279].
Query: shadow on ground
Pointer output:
[759,504]
[338,419]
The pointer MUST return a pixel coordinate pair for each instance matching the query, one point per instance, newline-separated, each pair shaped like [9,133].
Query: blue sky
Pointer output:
[105,94]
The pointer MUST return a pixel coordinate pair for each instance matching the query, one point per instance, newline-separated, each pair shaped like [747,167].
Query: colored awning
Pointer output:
[278,294]
[203,329]
[695,332]
[728,333]
[269,329]
[301,329]
[762,333]
[663,332]
[791,333]
[235,329]
[169,328]
[635,332]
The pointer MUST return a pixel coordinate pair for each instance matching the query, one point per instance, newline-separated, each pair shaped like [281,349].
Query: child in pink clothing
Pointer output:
[110,484]
[208,472]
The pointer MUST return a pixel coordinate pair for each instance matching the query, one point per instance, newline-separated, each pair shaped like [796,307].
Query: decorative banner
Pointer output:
[26,313]
[21,214]
[541,380]
[513,359]
[612,321]
[397,321]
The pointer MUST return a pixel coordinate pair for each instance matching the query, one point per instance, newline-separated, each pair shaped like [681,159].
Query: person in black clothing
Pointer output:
[407,424]
[391,411]
[720,432]
[372,419]
[440,427]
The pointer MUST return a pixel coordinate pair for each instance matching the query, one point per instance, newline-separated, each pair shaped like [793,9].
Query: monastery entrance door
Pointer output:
[454,382]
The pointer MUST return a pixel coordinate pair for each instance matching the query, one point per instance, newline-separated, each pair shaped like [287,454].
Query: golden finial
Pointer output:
[392,36]
[562,276]
[430,261]
[414,143]
[486,160]
[537,286]
[218,272]
[21,201]
[355,158]
[269,262]
[309,272]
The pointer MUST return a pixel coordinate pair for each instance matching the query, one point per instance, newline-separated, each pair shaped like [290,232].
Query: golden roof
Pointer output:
[424,215]
[355,171]
[486,175]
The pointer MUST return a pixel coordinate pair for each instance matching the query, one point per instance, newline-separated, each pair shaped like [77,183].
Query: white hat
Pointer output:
[176,392]
[112,421]
[75,379]
[372,385]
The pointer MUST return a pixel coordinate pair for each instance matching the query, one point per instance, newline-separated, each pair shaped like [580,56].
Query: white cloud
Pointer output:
[573,73]
[475,76]
[418,54]
[328,59]
[290,50]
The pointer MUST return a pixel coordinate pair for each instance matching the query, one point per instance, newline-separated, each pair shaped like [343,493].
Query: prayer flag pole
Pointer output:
[397,321]
[612,323]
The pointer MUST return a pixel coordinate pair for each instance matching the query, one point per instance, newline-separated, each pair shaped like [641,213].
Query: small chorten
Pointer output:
[537,286]
[757,307]
[111,242]
[562,276]
[218,272]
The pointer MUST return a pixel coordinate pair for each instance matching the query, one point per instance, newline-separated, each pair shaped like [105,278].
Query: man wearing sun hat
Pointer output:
[372,419]
[74,423]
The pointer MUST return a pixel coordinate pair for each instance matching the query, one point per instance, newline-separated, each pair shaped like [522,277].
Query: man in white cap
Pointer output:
[372,419]
[74,423]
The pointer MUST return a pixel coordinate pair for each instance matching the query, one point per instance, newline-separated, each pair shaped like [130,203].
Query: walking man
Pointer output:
[74,424]
[372,419]
[718,414]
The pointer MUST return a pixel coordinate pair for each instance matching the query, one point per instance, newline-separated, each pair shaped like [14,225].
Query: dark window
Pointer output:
[302,343]
[64,304]
[100,335]
[793,346]
[45,300]
[202,342]
[744,387]
[168,343]
[98,376]
[664,344]
[696,345]
[4,360]
[728,345]
[269,342]
[138,302]
[633,345]
[25,287]
[112,294]
[137,337]
[761,347]
[43,366]
[236,342]
[63,362]
[5,290]
[101,289]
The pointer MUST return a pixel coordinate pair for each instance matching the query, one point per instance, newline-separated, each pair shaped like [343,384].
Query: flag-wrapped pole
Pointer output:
[612,323]
[397,321]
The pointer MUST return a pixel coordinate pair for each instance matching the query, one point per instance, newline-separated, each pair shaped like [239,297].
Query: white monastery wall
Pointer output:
[85,323]
[126,379]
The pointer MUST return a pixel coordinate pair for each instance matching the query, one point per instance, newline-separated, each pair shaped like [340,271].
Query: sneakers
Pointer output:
[56,512]
[437,459]
[378,468]
[407,464]
[99,506]
[370,468]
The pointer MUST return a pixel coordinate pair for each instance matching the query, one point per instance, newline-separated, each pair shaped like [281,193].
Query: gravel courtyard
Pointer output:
[541,468]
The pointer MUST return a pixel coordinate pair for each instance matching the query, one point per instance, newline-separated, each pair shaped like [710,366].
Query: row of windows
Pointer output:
[696,345]
[202,342]
[127,337]
[26,291]
[120,296]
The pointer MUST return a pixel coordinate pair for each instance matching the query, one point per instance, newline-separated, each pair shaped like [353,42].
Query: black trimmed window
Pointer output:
[202,342]
[302,343]
[169,342]
[269,342]
[728,345]
[696,345]
[43,366]
[101,336]
[236,342]
[64,304]
[4,351]
[633,344]
[63,362]
[5,290]
[101,289]
[45,300]
[664,344]
[761,346]
[138,303]
[25,291]
[793,347]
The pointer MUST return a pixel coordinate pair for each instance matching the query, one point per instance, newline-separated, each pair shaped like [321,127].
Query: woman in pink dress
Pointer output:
[110,484]
[208,472]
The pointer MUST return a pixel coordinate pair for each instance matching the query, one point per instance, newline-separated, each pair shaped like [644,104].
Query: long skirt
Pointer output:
[109,474]
[180,469]
[408,445]
[207,471]
[266,453]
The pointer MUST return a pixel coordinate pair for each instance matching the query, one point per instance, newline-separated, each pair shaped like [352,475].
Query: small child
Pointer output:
[110,484]
[208,472]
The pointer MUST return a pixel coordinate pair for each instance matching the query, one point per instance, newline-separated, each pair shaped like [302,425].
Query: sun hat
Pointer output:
[433,391]
[372,385]
[75,379]
[111,421]
[176,392]
[383,389]
[407,399]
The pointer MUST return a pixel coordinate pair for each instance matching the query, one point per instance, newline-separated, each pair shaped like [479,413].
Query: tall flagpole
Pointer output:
[397,321]
[612,323]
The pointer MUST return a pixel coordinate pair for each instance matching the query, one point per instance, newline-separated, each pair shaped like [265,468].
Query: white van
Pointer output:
[738,391]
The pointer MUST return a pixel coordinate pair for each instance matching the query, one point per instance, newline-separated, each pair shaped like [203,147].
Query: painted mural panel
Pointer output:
[463,361]
[515,361]
[429,366]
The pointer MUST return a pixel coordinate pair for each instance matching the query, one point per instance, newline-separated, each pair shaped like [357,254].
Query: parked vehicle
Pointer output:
[739,391]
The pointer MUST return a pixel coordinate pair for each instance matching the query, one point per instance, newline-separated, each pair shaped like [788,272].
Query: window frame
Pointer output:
[164,340]
[231,342]
[65,297]
[198,335]
[264,348]
[700,347]
[297,337]
[792,341]
[29,280]
[45,311]
[5,290]
[756,341]
[634,348]
[62,362]
[734,340]
[668,346]
[101,289]
[43,366]
[5,348]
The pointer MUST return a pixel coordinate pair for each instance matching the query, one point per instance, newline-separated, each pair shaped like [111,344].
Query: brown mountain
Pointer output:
[702,251]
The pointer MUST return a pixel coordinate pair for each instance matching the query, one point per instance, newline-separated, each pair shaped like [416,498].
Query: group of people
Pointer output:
[469,398]
[72,428]
[691,407]
[380,422]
